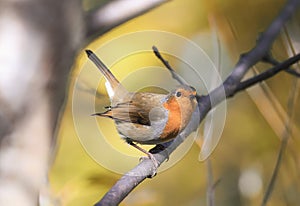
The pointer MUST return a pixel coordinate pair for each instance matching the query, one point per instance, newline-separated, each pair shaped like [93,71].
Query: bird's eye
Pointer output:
[178,94]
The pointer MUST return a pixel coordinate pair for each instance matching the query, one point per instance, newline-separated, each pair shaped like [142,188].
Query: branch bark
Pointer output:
[268,73]
[145,168]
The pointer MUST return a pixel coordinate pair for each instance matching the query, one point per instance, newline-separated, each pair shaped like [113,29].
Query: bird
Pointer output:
[146,118]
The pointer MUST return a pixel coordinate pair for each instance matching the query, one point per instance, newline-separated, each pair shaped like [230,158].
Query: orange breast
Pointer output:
[173,125]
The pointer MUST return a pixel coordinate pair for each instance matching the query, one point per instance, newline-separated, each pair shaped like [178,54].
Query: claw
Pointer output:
[151,157]
[155,163]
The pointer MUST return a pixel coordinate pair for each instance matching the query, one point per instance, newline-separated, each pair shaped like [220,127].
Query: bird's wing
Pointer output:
[139,108]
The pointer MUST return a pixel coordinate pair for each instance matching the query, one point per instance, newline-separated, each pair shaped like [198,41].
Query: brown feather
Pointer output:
[136,109]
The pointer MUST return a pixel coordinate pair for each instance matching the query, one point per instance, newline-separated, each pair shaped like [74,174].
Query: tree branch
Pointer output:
[269,59]
[116,12]
[145,168]
[167,65]
[250,58]
[268,73]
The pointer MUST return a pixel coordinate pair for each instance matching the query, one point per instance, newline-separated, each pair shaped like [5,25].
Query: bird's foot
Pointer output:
[151,157]
[154,161]
[159,148]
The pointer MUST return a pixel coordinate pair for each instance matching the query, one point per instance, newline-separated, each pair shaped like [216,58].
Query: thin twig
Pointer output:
[269,59]
[268,73]
[210,192]
[121,189]
[284,141]
[255,55]
[167,65]
[291,106]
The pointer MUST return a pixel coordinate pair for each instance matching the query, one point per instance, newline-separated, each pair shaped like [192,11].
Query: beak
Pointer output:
[192,96]
[194,92]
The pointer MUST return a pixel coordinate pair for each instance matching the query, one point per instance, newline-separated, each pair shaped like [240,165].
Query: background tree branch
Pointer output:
[284,141]
[229,87]
[114,13]
[34,68]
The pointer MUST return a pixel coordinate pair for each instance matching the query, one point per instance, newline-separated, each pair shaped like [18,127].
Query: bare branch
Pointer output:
[268,73]
[269,59]
[116,12]
[167,65]
[255,55]
[121,189]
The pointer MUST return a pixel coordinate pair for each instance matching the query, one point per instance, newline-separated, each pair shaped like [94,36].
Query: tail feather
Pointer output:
[112,82]
[107,113]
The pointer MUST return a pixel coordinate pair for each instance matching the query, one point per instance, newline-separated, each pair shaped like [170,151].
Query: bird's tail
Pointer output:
[112,81]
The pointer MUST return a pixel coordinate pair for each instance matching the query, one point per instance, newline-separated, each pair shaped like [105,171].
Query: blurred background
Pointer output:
[245,157]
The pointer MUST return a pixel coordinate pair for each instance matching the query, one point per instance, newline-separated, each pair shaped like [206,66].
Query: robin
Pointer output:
[146,118]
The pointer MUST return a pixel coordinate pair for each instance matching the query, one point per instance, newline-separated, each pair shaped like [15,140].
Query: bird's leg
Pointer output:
[161,147]
[158,148]
[155,162]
